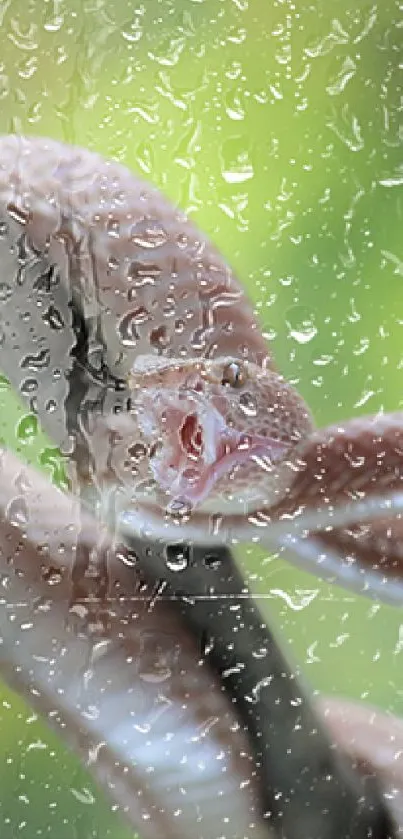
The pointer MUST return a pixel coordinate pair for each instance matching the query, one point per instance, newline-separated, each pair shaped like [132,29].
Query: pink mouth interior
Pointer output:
[191,436]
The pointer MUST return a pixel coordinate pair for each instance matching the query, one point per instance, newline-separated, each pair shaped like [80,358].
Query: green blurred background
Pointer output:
[276,125]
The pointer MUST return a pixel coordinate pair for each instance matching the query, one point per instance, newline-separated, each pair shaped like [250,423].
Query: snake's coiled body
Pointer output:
[98,270]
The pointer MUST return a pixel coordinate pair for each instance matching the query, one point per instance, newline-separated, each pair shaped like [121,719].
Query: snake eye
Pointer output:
[234,374]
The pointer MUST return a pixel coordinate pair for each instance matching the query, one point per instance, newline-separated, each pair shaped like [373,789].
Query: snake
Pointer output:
[190,426]
[125,330]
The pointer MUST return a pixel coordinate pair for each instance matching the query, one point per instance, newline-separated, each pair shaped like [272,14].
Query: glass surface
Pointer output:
[276,126]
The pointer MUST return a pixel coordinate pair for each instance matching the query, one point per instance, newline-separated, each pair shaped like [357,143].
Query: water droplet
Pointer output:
[145,487]
[143,273]
[127,330]
[236,164]
[362,346]
[300,325]
[80,610]
[27,428]
[212,561]
[198,339]
[148,234]
[84,795]
[234,106]
[126,556]
[323,360]
[36,362]
[51,406]
[18,214]
[17,512]
[5,292]
[132,32]
[113,228]
[140,315]
[113,263]
[261,652]
[259,518]
[137,451]
[177,557]
[22,482]
[247,404]
[47,280]
[299,599]
[53,318]
[215,523]
[51,459]
[54,22]
[43,604]
[345,73]
[159,337]
[169,307]
[90,712]
[179,326]
[28,386]
[52,575]
[159,673]
[190,475]
[182,240]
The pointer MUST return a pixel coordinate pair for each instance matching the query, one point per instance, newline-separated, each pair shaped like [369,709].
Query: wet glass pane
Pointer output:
[276,126]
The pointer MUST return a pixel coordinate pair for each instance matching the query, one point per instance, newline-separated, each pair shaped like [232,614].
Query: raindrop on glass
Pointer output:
[17,512]
[177,557]
[51,575]
[247,404]
[27,428]
[179,509]
[53,318]
[126,556]
[137,451]
[212,561]
[148,234]
[113,228]
[159,337]
[127,330]
[5,292]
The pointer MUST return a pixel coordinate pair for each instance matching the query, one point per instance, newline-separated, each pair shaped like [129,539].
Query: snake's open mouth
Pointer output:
[194,447]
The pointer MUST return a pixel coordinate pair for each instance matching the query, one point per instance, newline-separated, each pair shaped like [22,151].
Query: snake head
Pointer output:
[215,429]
